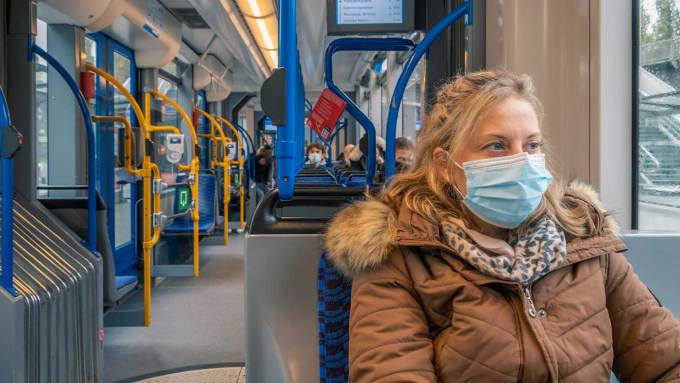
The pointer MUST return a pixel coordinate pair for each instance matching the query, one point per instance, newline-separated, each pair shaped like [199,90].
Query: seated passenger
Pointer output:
[478,265]
[403,154]
[315,155]
[264,171]
[343,159]
[359,160]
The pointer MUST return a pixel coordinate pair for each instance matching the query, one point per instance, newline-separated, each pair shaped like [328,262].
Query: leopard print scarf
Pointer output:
[525,259]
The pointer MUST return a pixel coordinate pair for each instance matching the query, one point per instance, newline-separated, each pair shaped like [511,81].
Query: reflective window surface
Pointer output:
[41,109]
[122,188]
[659,115]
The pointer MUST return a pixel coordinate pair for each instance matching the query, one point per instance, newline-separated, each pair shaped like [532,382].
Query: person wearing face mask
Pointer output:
[315,155]
[403,154]
[479,265]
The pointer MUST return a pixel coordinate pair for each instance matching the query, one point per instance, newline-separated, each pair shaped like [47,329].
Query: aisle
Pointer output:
[196,322]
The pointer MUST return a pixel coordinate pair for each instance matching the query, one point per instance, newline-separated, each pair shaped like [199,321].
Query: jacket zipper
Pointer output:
[526,291]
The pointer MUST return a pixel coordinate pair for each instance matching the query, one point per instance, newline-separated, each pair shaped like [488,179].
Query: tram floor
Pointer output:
[196,323]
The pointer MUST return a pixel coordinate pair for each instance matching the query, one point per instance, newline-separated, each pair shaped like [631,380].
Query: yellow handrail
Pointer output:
[147,169]
[121,88]
[226,197]
[240,162]
[193,168]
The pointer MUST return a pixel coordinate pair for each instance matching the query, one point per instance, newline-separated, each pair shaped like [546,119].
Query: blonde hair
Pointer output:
[459,105]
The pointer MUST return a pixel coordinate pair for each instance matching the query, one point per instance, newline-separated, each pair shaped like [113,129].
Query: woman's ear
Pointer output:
[441,160]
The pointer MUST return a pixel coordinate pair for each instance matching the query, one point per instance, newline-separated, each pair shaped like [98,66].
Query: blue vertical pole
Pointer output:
[286,153]
[7,206]
[409,67]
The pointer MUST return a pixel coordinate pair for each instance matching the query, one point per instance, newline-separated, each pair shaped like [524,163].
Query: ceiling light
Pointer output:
[262,21]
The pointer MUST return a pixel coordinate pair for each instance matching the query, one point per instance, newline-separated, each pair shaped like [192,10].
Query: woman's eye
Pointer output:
[496,146]
[533,146]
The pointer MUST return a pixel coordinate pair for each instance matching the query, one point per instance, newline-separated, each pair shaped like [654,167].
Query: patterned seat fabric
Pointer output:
[334,292]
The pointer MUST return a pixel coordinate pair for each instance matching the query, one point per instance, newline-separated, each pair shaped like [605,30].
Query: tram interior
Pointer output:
[168,214]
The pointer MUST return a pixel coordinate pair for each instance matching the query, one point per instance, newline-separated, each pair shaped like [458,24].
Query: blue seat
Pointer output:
[124,280]
[321,180]
[206,209]
[334,296]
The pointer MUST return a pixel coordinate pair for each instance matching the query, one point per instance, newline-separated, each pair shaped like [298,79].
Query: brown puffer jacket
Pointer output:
[421,314]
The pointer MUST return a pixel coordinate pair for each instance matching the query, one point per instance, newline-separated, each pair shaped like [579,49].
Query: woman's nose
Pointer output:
[516,148]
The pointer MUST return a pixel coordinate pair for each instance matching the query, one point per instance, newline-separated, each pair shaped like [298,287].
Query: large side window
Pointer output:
[59,154]
[658,115]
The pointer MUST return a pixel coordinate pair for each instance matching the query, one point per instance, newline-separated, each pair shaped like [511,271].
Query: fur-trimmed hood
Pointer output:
[362,236]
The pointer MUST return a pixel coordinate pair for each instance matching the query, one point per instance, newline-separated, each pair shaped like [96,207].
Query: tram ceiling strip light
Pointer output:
[248,39]
[262,21]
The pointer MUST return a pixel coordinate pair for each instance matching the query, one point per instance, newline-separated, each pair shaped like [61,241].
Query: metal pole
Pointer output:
[7,205]
[286,153]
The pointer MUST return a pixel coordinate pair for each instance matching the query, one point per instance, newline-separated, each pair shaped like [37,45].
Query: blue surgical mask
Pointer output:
[315,158]
[504,191]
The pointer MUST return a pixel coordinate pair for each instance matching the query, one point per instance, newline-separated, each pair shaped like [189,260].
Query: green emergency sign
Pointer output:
[183,202]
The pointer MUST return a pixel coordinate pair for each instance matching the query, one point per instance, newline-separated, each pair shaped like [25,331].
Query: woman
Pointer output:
[478,266]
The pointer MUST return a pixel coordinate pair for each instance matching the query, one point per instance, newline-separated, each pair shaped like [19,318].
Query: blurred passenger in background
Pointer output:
[358,158]
[343,158]
[315,154]
[264,171]
[403,154]
[479,265]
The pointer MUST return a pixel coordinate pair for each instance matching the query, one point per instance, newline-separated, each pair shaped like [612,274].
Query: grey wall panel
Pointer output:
[281,308]
[12,347]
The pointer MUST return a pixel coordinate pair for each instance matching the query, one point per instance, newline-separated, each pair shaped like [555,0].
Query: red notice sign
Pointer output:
[326,113]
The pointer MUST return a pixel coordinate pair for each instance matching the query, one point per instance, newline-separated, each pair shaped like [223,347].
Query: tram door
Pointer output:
[117,186]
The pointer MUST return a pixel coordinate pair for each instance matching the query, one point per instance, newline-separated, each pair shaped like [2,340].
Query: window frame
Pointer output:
[635,118]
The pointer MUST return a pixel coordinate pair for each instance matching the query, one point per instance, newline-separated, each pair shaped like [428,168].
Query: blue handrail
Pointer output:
[409,67]
[89,128]
[7,206]
[362,44]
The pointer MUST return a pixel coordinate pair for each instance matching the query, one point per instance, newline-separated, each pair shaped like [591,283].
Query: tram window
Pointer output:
[377,106]
[658,123]
[122,188]
[169,81]
[41,101]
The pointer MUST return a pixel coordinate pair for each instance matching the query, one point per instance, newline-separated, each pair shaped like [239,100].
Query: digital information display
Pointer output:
[346,17]
[370,12]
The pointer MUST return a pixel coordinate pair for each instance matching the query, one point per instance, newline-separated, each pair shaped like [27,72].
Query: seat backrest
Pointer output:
[655,259]
[206,197]
[334,292]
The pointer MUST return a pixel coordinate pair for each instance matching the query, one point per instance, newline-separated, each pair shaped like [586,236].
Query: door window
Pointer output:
[123,181]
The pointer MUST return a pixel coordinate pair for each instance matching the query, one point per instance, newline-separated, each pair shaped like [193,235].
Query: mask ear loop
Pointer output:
[455,187]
